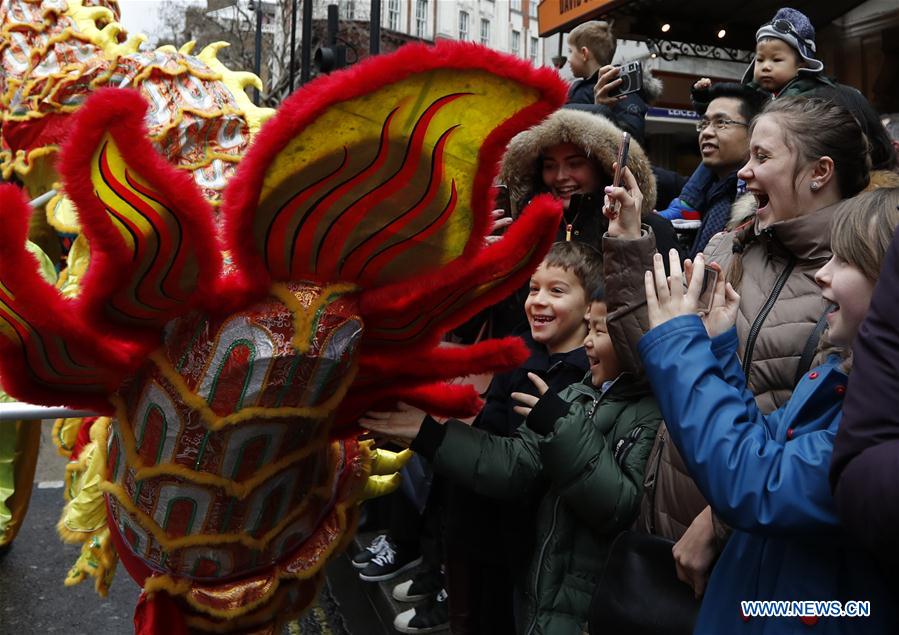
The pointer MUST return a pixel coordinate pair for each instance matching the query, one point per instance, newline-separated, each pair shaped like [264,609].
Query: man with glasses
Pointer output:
[724,146]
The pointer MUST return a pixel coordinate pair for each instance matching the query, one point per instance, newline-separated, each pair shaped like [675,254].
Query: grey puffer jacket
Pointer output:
[780,302]
[780,297]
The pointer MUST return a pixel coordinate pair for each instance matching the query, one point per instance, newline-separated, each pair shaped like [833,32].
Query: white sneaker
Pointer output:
[427,618]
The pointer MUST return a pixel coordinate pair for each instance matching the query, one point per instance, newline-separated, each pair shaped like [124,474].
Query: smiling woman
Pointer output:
[805,156]
[574,152]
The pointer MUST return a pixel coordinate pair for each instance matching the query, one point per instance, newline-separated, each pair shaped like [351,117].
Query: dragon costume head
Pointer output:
[234,350]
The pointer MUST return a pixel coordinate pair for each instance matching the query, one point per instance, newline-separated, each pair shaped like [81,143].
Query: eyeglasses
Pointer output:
[720,124]
[787,28]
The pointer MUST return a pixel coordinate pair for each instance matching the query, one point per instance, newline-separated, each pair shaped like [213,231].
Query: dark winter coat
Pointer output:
[712,198]
[629,114]
[584,452]
[490,530]
[865,469]
[766,476]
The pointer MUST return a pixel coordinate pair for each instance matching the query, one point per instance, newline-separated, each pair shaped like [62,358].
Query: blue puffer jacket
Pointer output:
[767,477]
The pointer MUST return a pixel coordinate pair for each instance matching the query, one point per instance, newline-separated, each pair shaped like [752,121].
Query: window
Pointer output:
[421,18]
[515,5]
[533,7]
[463,26]
[516,42]
[485,32]
[535,45]
[393,15]
[347,9]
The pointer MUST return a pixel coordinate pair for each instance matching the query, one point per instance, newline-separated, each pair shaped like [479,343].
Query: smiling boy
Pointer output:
[579,457]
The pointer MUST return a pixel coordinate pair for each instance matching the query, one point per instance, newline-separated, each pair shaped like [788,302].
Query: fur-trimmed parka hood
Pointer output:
[520,168]
[653,87]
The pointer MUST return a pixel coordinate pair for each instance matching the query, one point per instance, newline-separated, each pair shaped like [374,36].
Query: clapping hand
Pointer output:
[529,401]
[666,297]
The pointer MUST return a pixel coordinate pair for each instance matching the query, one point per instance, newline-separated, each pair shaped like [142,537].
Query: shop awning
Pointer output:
[695,21]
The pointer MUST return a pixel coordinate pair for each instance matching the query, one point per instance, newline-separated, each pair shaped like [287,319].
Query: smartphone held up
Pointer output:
[707,292]
[611,210]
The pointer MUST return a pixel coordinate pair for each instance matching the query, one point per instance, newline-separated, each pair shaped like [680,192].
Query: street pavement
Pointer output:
[33,598]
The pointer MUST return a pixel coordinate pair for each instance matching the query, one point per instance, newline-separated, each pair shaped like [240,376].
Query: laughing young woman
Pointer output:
[806,155]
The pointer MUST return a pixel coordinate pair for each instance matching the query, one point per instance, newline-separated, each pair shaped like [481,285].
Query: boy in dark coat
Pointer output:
[580,456]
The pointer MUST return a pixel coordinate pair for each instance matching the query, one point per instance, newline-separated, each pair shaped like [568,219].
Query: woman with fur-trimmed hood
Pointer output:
[573,152]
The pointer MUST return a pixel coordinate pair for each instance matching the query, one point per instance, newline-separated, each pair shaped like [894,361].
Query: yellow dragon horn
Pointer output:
[384,462]
[380,486]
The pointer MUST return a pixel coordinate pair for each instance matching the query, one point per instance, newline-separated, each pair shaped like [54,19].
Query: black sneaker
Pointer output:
[361,559]
[423,584]
[388,564]
[427,618]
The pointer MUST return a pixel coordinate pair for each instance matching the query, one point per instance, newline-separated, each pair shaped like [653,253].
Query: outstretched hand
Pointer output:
[402,425]
[622,206]
[529,401]
[667,298]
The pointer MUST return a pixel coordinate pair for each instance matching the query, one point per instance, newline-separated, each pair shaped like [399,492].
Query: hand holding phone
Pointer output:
[717,302]
[624,200]
[502,200]
[707,292]
[501,216]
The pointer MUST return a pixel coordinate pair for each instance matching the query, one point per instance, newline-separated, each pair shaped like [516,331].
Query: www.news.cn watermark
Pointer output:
[805,608]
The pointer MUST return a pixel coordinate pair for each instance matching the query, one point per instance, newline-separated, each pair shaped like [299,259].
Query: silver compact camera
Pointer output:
[631,76]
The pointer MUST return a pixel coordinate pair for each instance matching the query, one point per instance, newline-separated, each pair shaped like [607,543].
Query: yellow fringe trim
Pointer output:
[216,422]
[232,488]
[385,462]
[181,589]
[273,611]
[65,432]
[98,560]
[304,317]
[377,486]
[85,514]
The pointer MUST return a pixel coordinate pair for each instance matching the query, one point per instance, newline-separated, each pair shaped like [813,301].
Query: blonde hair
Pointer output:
[863,228]
[597,37]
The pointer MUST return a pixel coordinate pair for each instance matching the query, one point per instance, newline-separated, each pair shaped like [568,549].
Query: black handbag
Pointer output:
[639,593]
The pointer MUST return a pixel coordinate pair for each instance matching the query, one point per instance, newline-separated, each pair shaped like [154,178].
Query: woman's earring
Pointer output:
[814,185]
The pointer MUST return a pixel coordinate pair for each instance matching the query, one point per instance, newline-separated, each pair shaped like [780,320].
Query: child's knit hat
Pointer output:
[794,28]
